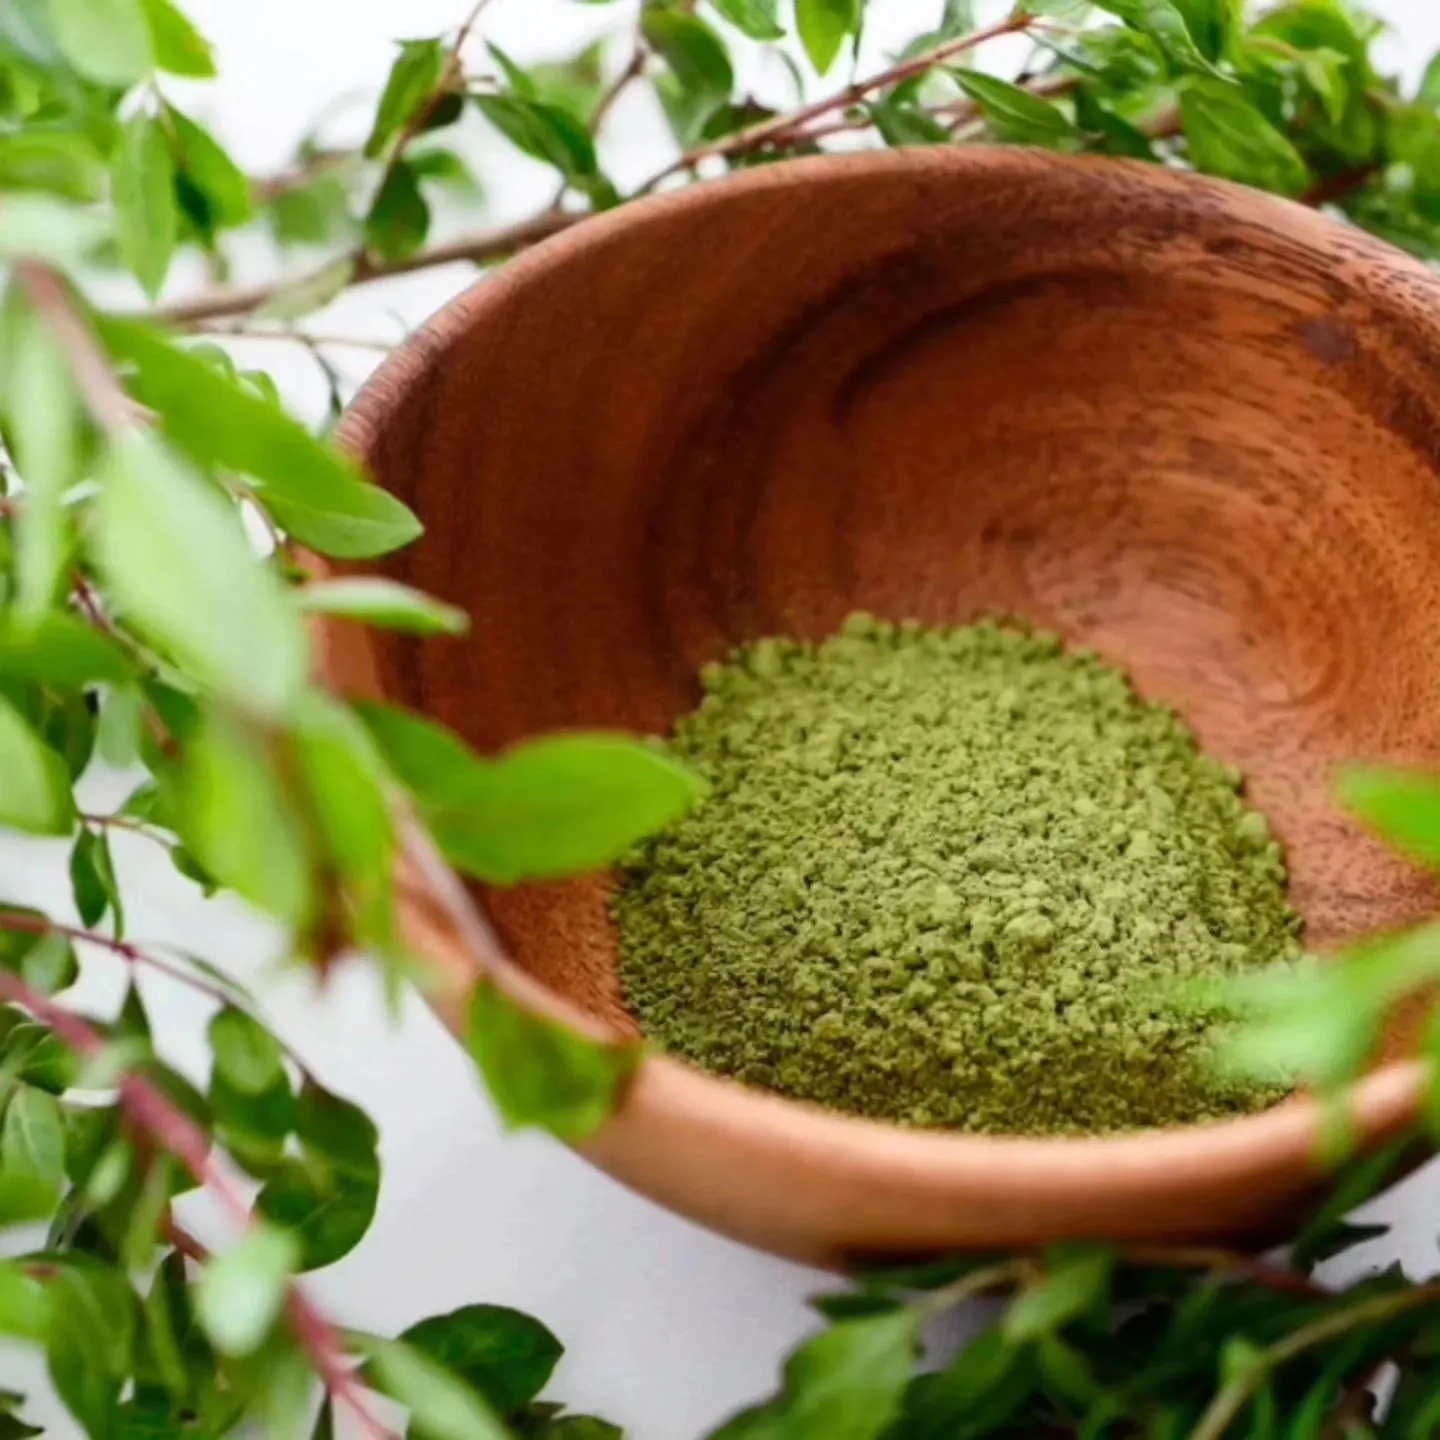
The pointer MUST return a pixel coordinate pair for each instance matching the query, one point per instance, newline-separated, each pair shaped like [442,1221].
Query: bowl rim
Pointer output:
[664,1092]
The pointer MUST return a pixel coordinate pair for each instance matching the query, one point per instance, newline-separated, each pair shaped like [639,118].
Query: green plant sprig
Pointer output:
[139,623]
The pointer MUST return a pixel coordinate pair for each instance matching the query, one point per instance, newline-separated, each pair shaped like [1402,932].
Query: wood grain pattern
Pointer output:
[1195,428]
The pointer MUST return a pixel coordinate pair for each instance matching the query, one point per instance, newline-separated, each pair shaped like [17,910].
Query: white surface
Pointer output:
[668,1328]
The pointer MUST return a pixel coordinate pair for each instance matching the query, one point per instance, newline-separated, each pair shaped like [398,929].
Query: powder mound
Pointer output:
[942,878]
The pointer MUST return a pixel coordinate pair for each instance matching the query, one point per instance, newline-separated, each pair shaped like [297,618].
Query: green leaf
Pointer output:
[90,1343]
[558,806]
[426,758]
[845,1384]
[240,1293]
[441,1406]
[105,40]
[1359,1182]
[539,1073]
[1230,137]
[64,162]
[414,78]
[900,124]
[694,52]
[59,649]
[327,1198]
[1072,1286]
[50,964]
[399,218]
[25,1199]
[315,492]
[506,1355]
[142,180]
[24,1313]
[32,1140]
[92,879]
[759,19]
[45,421]
[245,1052]
[824,26]
[35,793]
[179,47]
[42,227]
[384,603]
[1015,115]
[180,566]
[1403,806]
[1164,23]
[215,179]
[1109,132]
[254,1128]
[544,132]
[237,817]
[329,1214]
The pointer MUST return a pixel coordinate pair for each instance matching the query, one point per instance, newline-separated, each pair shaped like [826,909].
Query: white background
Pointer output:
[668,1328]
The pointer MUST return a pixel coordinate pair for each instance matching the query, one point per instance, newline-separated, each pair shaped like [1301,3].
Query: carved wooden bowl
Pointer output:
[1193,427]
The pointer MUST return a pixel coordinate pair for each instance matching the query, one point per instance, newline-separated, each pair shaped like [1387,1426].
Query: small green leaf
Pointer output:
[142,181]
[1164,23]
[237,817]
[426,758]
[90,1343]
[544,132]
[24,1313]
[32,1140]
[254,1128]
[215,181]
[315,492]
[246,1053]
[1014,114]
[1109,132]
[558,806]
[179,47]
[329,1214]
[696,55]
[50,964]
[311,292]
[399,218]
[759,19]
[1230,137]
[441,1406]
[1071,1286]
[92,879]
[64,162]
[59,649]
[35,794]
[180,566]
[105,40]
[240,1293]
[25,1199]
[1403,806]
[901,124]
[384,603]
[42,227]
[506,1355]
[540,1073]
[414,78]
[824,27]
[845,1384]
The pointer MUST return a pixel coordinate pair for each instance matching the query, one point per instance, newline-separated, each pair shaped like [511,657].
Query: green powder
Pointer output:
[937,879]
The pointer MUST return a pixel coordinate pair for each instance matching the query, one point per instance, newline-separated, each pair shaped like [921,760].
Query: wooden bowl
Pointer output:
[1193,427]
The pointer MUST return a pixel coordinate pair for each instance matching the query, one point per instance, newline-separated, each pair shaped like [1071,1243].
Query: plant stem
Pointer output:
[1227,1405]
[777,127]
[480,249]
[1224,1262]
[174,1131]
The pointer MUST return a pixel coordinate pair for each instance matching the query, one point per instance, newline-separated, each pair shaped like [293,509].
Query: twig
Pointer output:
[777,127]
[107,401]
[1226,1262]
[480,249]
[633,71]
[175,1132]
[1337,187]
[301,337]
[1232,1399]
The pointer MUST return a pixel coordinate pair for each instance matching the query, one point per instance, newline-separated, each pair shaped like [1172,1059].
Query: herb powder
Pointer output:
[941,878]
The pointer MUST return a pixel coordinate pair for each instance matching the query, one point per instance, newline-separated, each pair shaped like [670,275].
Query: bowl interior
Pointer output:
[1195,429]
